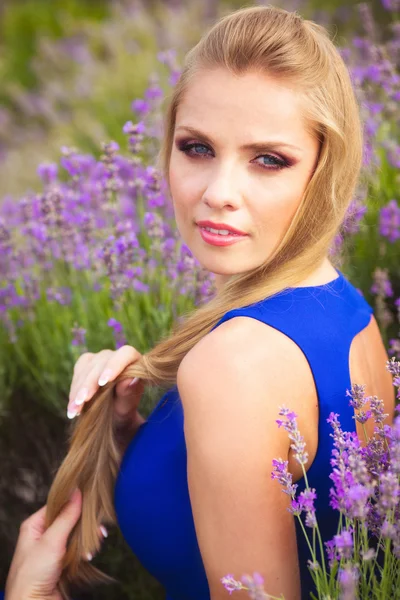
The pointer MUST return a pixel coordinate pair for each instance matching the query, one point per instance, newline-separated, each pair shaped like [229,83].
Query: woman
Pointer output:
[262,153]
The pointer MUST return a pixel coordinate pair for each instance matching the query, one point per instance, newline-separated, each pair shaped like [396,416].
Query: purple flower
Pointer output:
[305,503]
[290,425]
[348,580]
[331,552]
[391,5]
[382,286]
[255,586]
[141,106]
[388,530]
[377,409]
[363,416]
[358,496]
[47,172]
[369,554]
[231,584]
[153,92]
[357,395]
[389,491]
[120,339]
[389,221]
[78,334]
[352,488]
[282,474]
[344,544]
[61,295]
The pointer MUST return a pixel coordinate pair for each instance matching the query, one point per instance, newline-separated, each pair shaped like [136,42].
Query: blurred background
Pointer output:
[89,256]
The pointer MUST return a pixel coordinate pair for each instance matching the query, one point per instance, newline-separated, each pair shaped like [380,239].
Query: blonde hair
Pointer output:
[281,44]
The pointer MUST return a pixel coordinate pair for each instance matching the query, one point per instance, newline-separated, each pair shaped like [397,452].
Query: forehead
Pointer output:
[219,100]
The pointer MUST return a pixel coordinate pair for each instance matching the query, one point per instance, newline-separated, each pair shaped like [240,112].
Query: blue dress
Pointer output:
[151,495]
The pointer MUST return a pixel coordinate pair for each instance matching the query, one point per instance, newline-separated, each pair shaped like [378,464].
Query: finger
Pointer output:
[83,359]
[120,359]
[81,367]
[32,528]
[58,532]
[84,384]
[128,397]
[85,367]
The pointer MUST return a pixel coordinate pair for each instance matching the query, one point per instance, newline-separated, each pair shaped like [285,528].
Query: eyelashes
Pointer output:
[278,163]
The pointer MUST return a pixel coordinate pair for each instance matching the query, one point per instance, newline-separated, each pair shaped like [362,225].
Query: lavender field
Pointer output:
[89,254]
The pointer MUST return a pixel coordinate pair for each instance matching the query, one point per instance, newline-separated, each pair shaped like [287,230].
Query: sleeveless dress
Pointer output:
[151,495]
[152,500]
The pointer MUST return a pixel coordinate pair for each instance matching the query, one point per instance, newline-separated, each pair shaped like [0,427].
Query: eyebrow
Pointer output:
[255,146]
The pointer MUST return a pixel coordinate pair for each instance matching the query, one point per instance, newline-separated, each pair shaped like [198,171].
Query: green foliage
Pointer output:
[29,20]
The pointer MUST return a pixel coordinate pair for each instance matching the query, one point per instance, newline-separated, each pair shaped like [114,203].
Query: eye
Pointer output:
[276,163]
[187,148]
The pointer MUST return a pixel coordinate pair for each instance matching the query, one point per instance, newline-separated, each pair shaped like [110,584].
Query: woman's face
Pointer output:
[214,177]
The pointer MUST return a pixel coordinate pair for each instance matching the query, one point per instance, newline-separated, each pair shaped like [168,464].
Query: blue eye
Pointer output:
[275,164]
[188,147]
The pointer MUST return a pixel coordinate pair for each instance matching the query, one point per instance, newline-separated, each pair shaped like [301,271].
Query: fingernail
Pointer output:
[71,413]
[81,396]
[89,556]
[103,531]
[135,380]
[104,377]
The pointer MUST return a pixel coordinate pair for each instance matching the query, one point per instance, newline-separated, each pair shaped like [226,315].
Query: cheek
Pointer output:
[184,191]
[277,209]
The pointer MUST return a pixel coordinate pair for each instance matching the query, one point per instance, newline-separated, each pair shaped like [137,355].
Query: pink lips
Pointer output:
[216,239]
[220,226]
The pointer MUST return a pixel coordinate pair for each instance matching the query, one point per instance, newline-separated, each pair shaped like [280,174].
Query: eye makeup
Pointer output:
[277,161]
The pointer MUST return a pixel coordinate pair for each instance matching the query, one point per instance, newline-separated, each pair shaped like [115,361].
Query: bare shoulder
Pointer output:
[258,352]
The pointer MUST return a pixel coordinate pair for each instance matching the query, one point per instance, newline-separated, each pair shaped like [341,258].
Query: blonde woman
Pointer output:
[262,153]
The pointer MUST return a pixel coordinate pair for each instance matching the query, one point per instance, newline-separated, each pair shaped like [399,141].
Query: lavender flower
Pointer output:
[348,580]
[389,491]
[231,584]
[331,552]
[382,284]
[344,544]
[282,474]
[352,488]
[48,172]
[290,425]
[389,224]
[78,338]
[305,503]
[357,395]
[377,409]
[254,584]
[120,339]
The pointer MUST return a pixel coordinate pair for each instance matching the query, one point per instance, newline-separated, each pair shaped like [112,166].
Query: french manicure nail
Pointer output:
[135,380]
[81,397]
[103,531]
[71,414]
[104,377]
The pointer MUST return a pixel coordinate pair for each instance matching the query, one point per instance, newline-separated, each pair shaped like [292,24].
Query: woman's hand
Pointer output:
[36,566]
[93,370]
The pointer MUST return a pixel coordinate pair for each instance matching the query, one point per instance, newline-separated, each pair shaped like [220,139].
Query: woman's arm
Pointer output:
[232,384]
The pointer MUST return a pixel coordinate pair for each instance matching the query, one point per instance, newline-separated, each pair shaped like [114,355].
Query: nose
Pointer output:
[223,190]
